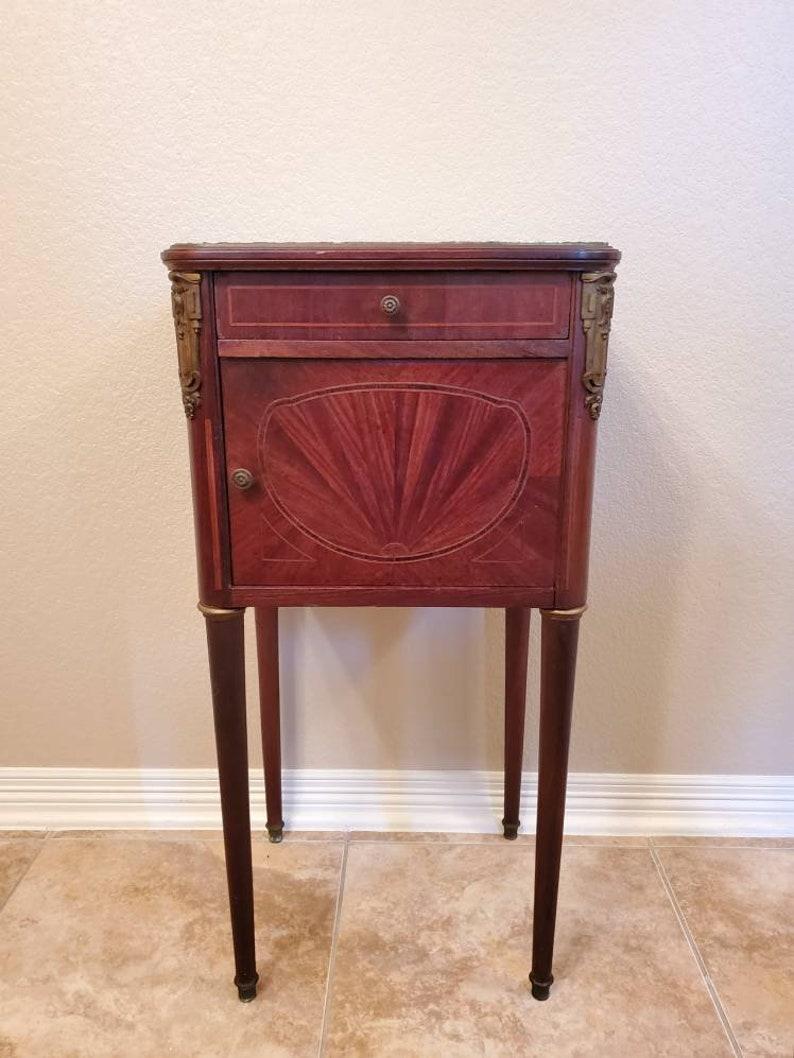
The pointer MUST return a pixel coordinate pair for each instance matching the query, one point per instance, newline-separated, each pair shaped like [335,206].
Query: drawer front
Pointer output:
[441,473]
[360,306]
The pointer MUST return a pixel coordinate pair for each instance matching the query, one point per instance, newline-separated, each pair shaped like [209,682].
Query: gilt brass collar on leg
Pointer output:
[216,613]
[565,615]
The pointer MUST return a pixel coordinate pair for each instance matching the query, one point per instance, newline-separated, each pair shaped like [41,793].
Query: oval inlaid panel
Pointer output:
[394,473]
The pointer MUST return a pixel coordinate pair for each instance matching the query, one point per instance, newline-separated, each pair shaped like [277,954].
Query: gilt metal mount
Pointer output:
[598,298]
[218,613]
[186,307]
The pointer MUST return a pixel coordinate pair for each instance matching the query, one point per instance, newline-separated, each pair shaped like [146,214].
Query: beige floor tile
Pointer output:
[18,849]
[617,842]
[309,835]
[113,834]
[425,837]
[122,947]
[739,905]
[724,843]
[434,948]
[188,835]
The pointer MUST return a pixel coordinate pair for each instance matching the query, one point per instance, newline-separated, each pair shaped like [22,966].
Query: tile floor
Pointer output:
[394,946]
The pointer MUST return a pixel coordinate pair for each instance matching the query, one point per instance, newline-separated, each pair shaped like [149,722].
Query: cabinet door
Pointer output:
[432,473]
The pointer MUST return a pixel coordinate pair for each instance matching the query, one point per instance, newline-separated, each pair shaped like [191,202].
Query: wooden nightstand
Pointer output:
[392,425]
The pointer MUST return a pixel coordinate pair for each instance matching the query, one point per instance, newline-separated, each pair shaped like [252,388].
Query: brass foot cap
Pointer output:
[246,989]
[275,833]
[541,989]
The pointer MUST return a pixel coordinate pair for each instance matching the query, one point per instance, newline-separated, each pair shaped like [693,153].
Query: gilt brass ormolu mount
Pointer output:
[186,307]
[598,298]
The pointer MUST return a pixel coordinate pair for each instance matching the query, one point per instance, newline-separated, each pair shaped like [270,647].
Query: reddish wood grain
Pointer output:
[392,349]
[227,676]
[385,474]
[436,305]
[573,256]
[568,542]
[389,595]
[270,715]
[578,480]
[559,638]
[516,648]
[205,436]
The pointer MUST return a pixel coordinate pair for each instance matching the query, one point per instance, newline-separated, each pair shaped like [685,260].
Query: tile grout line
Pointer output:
[690,939]
[23,876]
[659,843]
[324,1023]
[500,842]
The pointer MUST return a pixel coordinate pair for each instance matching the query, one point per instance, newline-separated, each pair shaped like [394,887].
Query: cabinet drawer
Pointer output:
[361,306]
[428,474]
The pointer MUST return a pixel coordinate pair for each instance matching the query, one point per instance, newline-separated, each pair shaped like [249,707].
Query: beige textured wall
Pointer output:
[662,127]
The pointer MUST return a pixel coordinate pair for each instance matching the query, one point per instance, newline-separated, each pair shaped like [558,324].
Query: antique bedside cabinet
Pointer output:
[392,425]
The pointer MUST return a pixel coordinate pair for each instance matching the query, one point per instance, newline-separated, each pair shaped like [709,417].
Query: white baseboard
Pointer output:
[462,801]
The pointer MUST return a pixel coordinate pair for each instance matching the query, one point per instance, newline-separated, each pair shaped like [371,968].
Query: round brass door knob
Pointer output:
[390,304]
[242,478]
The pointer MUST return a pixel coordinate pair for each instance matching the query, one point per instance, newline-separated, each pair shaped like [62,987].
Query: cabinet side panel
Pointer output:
[577,497]
[205,439]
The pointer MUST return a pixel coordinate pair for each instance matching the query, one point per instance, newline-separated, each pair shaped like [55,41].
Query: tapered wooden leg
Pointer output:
[559,637]
[227,675]
[267,658]
[516,646]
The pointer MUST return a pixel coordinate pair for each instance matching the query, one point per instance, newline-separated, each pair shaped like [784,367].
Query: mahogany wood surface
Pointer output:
[208,472]
[262,256]
[392,596]
[270,715]
[559,637]
[435,305]
[227,677]
[516,647]
[393,349]
[433,449]
[394,474]
[578,479]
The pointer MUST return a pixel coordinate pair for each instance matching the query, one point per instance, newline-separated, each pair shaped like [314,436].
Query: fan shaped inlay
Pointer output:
[394,473]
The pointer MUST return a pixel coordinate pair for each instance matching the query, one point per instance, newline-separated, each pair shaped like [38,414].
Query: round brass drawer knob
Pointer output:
[242,478]
[390,304]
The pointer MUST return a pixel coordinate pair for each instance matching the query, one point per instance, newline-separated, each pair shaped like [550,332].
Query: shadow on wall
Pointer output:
[383,688]
[679,661]
[641,529]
